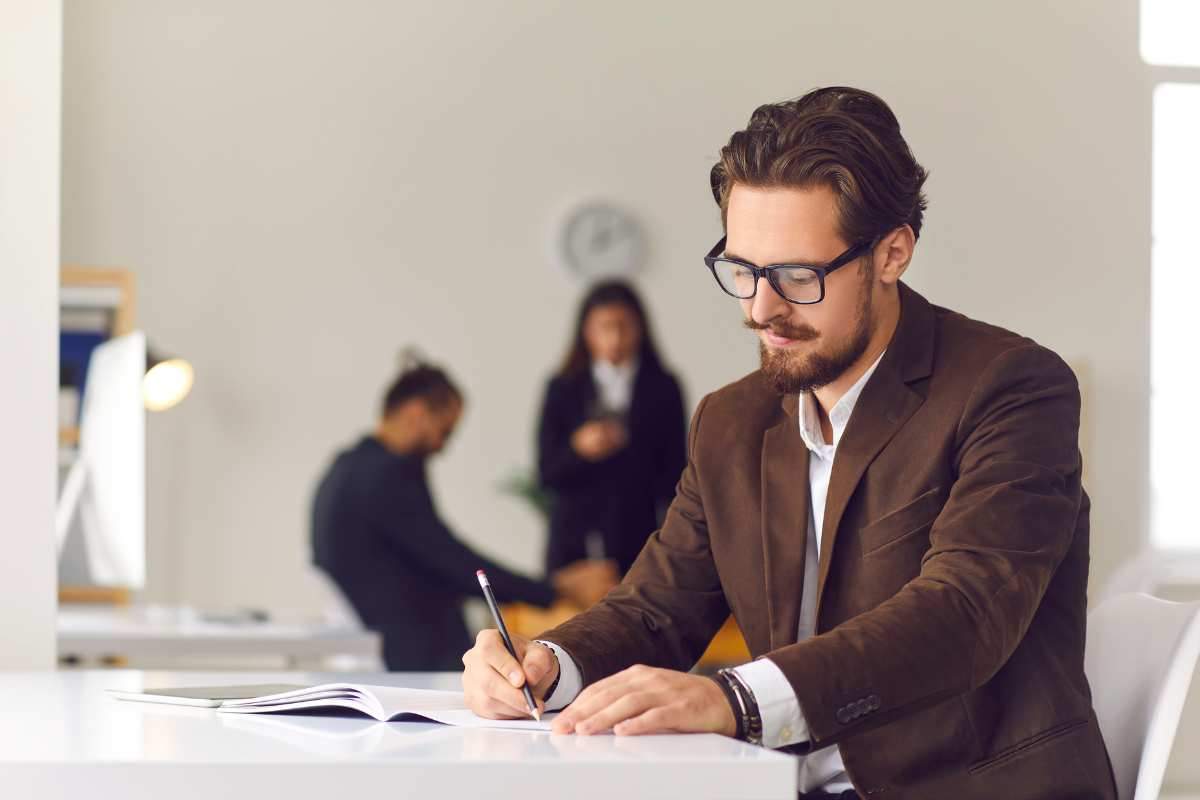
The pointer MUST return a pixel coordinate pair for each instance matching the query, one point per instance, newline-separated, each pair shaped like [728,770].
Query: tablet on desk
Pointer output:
[202,696]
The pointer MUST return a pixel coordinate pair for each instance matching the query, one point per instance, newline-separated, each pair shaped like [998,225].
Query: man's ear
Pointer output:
[893,254]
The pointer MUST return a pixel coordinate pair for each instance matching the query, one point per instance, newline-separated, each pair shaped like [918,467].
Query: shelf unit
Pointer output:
[100,299]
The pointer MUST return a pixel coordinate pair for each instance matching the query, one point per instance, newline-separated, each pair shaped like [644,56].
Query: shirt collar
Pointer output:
[605,373]
[614,384]
[839,416]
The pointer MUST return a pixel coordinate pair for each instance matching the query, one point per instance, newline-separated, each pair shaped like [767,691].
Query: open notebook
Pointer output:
[384,703]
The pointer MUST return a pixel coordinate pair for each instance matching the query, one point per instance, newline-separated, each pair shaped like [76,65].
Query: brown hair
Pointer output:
[843,138]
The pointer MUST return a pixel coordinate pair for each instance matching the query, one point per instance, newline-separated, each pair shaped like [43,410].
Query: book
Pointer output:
[202,696]
[384,703]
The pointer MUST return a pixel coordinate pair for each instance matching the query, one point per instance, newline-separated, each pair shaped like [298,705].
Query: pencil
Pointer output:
[495,609]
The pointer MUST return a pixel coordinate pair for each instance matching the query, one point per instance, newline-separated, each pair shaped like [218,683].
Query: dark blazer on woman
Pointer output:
[620,497]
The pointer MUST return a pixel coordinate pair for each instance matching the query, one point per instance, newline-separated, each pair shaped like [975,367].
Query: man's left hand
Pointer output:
[643,700]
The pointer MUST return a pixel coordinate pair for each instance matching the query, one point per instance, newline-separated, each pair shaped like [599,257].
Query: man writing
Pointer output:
[890,507]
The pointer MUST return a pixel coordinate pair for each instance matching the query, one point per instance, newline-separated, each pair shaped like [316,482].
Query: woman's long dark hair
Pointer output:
[608,293]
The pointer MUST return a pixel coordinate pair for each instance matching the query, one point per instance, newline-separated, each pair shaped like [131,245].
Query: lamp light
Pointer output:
[168,380]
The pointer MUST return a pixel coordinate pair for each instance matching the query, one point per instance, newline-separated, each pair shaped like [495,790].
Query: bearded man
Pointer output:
[890,507]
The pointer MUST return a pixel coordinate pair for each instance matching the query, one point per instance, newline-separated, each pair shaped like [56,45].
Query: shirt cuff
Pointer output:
[782,719]
[570,679]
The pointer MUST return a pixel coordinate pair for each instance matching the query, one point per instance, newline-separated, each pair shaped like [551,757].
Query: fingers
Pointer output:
[539,663]
[654,720]
[588,439]
[627,707]
[599,696]
[490,695]
[495,655]
[614,435]
[642,700]
[500,697]
[492,678]
[490,708]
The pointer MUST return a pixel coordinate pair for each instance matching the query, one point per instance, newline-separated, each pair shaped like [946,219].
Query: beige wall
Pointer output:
[305,187]
[30,115]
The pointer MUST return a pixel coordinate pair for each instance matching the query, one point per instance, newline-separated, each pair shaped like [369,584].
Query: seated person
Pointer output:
[891,508]
[377,534]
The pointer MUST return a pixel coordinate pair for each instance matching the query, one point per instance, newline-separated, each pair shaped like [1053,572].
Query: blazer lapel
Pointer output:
[886,403]
[785,518]
[640,402]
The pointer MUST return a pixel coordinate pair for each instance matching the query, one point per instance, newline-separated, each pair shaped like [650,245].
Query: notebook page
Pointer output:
[449,708]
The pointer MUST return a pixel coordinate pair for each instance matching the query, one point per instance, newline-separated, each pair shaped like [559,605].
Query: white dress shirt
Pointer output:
[614,384]
[783,720]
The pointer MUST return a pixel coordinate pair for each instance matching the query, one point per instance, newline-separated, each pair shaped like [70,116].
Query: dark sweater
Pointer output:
[375,531]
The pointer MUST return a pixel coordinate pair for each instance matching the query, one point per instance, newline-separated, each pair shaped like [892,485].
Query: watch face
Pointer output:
[602,241]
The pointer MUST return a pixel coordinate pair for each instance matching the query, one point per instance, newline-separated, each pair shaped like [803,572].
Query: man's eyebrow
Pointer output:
[802,261]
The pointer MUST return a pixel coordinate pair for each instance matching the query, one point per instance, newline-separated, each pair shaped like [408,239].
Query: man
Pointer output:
[375,531]
[890,507]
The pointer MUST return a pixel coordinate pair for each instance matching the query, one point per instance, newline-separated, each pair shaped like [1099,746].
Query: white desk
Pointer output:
[61,736]
[138,632]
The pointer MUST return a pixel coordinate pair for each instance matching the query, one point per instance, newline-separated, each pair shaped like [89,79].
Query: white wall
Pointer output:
[303,188]
[30,113]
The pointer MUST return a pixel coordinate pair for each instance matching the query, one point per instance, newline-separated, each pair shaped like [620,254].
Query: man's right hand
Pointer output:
[493,679]
[585,582]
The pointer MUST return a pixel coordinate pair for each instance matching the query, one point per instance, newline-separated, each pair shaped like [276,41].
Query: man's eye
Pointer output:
[799,277]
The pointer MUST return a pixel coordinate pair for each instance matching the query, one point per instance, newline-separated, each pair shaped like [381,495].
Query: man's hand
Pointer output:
[493,679]
[643,700]
[598,439]
[585,582]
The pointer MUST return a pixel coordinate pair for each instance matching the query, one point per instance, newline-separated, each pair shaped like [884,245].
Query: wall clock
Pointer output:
[601,240]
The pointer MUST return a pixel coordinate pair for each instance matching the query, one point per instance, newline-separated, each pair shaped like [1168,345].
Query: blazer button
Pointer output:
[873,702]
[861,708]
[843,715]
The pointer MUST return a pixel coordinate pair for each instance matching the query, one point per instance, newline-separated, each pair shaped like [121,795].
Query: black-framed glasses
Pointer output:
[802,284]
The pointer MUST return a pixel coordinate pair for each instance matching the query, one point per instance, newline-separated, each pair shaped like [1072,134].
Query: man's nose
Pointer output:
[767,304]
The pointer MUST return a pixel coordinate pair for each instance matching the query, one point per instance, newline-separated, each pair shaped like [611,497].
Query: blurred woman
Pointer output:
[611,441]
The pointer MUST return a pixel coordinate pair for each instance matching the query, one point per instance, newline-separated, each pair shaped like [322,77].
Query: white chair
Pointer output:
[335,608]
[1151,571]
[337,612]
[1141,653]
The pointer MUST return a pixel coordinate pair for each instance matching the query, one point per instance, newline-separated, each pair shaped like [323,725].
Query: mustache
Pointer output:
[802,333]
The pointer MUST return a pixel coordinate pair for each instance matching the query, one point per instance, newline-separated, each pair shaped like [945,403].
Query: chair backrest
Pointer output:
[336,608]
[339,613]
[1141,652]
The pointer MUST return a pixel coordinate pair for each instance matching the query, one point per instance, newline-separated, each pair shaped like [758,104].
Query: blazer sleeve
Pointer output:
[403,509]
[668,607]
[1008,522]
[559,466]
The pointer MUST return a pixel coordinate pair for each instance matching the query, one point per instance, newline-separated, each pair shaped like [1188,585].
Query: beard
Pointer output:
[793,373]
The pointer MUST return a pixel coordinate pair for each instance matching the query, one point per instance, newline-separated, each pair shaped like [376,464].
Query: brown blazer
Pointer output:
[948,660]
